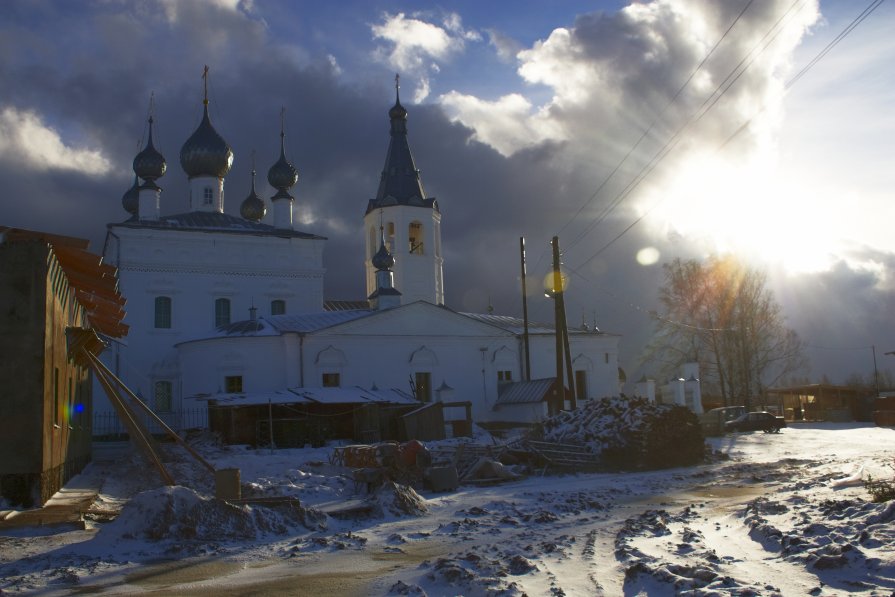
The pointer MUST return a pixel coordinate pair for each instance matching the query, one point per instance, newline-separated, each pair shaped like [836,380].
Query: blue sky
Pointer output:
[519,112]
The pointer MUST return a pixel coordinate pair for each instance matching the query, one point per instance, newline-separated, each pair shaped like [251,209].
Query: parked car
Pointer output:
[713,420]
[757,421]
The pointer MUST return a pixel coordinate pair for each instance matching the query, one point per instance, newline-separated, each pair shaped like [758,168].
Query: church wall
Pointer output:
[599,351]
[260,361]
[194,269]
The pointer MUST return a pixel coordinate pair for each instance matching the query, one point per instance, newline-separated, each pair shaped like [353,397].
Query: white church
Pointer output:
[229,310]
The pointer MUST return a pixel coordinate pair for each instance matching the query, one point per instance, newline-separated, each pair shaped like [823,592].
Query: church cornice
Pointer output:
[173,269]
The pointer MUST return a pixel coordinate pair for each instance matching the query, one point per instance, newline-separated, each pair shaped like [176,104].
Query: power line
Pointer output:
[649,129]
[864,14]
[722,88]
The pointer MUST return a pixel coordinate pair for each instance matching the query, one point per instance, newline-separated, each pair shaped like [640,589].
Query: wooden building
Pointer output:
[48,284]
[817,402]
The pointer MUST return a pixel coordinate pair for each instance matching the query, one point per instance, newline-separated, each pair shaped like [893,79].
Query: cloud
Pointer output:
[507,124]
[506,46]
[415,44]
[25,138]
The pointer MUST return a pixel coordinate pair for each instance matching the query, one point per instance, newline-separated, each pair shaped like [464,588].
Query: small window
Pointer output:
[415,238]
[278,307]
[504,376]
[163,396]
[373,246]
[233,384]
[606,357]
[423,386]
[221,312]
[331,380]
[207,196]
[163,312]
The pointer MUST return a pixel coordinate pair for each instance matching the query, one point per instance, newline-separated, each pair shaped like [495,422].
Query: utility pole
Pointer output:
[562,335]
[525,311]
[875,371]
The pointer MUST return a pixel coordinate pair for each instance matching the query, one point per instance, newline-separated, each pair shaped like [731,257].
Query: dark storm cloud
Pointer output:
[89,73]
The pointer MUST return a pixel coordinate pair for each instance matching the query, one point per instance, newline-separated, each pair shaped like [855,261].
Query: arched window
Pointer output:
[207,195]
[415,239]
[390,237]
[221,312]
[164,393]
[373,247]
[277,307]
[163,312]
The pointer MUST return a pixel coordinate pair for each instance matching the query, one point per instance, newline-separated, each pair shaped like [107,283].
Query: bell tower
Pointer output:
[407,221]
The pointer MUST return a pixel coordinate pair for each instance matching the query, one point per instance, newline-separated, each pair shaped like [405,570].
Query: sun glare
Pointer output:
[746,209]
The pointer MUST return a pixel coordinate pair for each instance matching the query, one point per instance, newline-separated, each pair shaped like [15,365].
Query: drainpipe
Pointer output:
[301,359]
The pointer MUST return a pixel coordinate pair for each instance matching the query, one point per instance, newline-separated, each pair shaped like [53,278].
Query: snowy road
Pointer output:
[767,521]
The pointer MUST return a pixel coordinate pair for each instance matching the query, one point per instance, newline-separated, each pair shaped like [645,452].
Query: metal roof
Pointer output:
[516,325]
[524,392]
[346,395]
[311,322]
[213,221]
[400,183]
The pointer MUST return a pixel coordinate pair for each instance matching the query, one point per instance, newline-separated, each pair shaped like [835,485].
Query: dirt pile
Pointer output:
[399,500]
[180,514]
[631,433]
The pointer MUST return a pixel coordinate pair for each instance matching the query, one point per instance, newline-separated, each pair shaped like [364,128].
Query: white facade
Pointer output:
[223,304]
[204,276]
[389,349]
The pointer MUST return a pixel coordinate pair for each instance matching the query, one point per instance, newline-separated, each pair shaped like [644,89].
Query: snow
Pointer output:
[771,514]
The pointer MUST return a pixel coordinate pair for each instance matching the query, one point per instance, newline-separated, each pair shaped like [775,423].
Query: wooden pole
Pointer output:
[134,427]
[556,283]
[98,365]
[525,345]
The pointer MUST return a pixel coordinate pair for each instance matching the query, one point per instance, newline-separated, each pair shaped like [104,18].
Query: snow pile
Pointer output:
[831,537]
[398,500]
[179,514]
[631,432]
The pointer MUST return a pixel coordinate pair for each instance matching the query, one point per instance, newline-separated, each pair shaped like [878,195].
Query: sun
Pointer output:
[746,209]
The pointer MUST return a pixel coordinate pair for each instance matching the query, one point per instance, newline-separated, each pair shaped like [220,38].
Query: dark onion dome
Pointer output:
[397,112]
[206,153]
[149,163]
[253,207]
[131,199]
[383,260]
[282,175]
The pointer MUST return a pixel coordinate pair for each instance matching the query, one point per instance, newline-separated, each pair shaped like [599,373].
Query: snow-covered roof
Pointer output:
[274,325]
[346,395]
[516,325]
[311,322]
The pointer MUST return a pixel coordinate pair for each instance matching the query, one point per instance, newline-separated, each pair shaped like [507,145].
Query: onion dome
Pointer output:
[149,163]
[253,208]
[282,175]
[382,260]
[206,153]
[131,199]
[397,112]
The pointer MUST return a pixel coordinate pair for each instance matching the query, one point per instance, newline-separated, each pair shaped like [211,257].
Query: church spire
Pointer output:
[400,182]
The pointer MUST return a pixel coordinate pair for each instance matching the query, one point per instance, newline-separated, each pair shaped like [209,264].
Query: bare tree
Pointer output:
[721,314]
